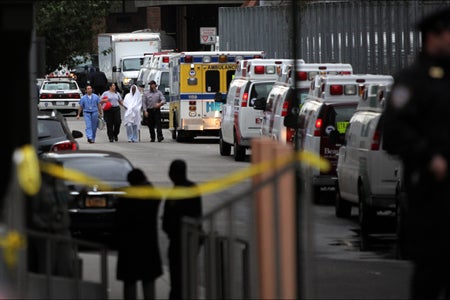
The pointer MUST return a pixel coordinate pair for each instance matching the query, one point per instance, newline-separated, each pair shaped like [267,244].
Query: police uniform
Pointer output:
[150,100]
[416,127]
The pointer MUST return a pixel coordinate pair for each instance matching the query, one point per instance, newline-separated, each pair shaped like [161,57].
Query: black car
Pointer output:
[92,205]
[54,133]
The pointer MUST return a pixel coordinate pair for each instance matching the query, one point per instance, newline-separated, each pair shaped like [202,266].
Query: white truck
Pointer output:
[120,55]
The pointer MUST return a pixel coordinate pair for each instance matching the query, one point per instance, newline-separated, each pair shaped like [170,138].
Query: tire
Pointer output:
[224,147]
[342,208]
[366,214]
[239,151]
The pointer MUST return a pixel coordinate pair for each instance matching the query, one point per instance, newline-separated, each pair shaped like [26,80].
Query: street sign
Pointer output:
[208,35]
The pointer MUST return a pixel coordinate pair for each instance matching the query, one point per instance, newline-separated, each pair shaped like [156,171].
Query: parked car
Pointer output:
[54,134]
[92,206]
[60,92]
[367,176]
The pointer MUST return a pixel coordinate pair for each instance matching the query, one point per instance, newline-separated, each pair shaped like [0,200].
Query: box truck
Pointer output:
[120,55]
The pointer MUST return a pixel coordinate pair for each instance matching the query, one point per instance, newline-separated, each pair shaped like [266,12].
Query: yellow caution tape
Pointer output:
[28,174]
[11,244]
[147,192]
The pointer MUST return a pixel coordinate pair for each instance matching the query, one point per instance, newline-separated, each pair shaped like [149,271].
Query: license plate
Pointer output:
[60,103]
[95,202]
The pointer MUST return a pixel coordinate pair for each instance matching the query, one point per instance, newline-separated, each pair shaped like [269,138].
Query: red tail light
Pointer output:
[302,76]
[336,89]
[259,69]
[346,72]
[284,109]
[318,126]
[64,145]
[375,145]
[165,59]
[188,58]
[244,100]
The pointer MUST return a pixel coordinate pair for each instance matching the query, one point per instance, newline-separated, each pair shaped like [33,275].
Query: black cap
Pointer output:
[152,82]
[435,21]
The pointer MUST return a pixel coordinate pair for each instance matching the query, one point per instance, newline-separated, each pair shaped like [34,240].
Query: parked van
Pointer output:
[367,176]
[280,100]
[240,122]
[323,121]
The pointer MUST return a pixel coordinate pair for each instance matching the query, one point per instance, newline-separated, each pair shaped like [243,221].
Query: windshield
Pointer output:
[132,64]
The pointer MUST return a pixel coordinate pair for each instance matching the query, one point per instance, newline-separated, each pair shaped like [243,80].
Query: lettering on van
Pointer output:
[330,152]
[213,106]
[221,67]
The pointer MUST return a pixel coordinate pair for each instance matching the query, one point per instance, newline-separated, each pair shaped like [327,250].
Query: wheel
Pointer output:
[239,151]
[180,137]
[366,213]
[342,208]
[225,148]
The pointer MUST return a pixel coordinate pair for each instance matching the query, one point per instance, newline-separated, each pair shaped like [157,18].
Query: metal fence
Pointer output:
[377,37]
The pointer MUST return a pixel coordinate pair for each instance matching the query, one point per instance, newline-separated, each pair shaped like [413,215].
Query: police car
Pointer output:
[59,91]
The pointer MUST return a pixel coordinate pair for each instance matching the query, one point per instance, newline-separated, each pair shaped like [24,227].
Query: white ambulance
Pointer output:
[240,123]
[366,175]
[323,121]
[279,102]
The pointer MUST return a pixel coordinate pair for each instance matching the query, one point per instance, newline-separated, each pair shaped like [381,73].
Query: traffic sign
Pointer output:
[208,35]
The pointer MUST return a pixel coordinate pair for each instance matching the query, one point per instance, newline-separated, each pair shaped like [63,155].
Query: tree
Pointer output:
[70,28]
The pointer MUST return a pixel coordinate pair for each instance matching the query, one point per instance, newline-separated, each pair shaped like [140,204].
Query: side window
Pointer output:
[212,82]
[231,95]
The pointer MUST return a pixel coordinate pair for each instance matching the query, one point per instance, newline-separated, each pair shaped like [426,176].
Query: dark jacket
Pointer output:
[175,210]
[137,239]
[416,126]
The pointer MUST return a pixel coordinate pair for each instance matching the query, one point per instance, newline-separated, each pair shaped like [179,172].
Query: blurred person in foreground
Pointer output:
[174,211]
[138,256]
[132,116]
[417,128]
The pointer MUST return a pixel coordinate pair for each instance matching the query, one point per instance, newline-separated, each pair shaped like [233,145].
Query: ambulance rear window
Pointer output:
[212,81]
[338,117]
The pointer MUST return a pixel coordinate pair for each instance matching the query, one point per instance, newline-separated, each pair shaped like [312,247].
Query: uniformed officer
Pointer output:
[152,101]
[417,129]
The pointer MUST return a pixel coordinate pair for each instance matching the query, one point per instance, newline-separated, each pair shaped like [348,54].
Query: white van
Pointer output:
[366,175]
[279,102]
[240,122]
[323,121]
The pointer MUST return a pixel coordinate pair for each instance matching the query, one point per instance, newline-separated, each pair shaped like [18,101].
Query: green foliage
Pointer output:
[69,27]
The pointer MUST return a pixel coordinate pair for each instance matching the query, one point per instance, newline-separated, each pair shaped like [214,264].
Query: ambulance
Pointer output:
[279,103]
[199,83]
[240,123]
[323,120]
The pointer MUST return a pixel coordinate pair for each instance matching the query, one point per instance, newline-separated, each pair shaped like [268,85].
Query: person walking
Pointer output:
[138,256]
[98,81]
[92,109]
[174,211]
[113,116]
[152,101]
[416,127]
[132,116]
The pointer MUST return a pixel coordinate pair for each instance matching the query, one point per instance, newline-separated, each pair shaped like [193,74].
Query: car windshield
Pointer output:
[108,169]
[132,64]
[49,128]
[55,86]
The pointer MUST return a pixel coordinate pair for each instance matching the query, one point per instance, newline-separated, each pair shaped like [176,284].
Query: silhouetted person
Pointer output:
[98,81]
[138,257]
[416,128]
[174,211]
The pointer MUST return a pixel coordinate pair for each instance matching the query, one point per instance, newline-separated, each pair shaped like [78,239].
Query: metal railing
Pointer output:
[46,280]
